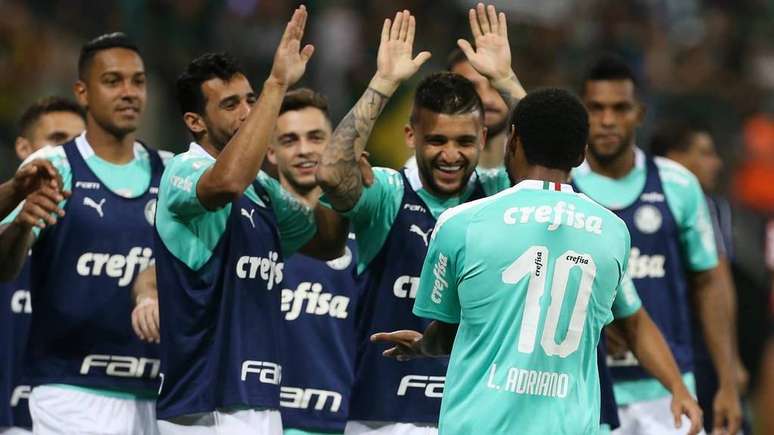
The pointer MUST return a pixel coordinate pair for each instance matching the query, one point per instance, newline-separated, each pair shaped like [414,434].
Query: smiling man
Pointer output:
[88,371]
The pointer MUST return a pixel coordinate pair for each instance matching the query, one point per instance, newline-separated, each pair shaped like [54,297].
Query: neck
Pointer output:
[543,173]
[308,197]
[492,155]
[108,147]
[617,168]
[209,147]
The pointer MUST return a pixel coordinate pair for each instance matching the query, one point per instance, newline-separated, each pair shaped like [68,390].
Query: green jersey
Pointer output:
[530,275]
[190,231]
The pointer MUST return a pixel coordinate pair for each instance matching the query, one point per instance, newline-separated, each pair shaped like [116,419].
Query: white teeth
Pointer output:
[449,168]
[308,165]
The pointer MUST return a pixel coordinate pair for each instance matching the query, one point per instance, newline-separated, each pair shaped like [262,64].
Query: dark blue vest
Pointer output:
[385,389]
[318,308]
[658,272]
[82,273]
[220,324]
[15,314]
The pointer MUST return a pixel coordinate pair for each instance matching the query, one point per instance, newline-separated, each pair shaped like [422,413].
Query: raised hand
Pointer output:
[394,61]
[492,55]
[406,344]
[290,60]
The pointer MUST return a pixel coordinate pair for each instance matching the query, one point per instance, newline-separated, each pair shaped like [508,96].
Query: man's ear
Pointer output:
[271,155]
[195,123]
[23,148]
[408,132]
[81,94]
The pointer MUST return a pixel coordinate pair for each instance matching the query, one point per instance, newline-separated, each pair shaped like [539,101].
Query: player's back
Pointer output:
[536,275]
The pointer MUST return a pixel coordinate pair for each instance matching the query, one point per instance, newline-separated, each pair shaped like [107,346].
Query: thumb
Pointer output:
[466,48]
[677,413]
[421,58]
[307,52]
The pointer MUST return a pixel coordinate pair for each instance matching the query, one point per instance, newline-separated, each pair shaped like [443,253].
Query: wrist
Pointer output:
[503,81]
[144,299]
[383,86]
[275,84]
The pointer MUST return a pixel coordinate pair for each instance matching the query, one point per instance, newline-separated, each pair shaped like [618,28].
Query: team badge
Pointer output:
[150,211]
[342,262]
[648,219]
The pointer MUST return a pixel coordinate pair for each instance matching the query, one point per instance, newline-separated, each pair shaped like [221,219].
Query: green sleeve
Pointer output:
[437,296]
[189,231]
[688,204]
[627,301]
[58,158]
[295,220]
[494,180]
[374,213]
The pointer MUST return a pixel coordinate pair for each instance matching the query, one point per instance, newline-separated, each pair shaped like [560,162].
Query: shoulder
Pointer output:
[494,180]
[53,153]
[675,175]
[462,214]
[387,175]
[142,153]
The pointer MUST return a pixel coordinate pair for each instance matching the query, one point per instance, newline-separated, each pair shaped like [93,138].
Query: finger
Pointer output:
[718,419]
[502,24]
[136,325]
[696,420]
[421,58]
[734,424]
[155,328]
[38,213]
[48,168]
[677,414]
[404,25]
[412,27]
[306,52]
[492,19]
[150,324]
[474,26]
[482,19]
[395,30]
[366,172]
[381,336]
[142,322]
[49,203]
[466,48]
[302,23]
[392,352]
[385,31]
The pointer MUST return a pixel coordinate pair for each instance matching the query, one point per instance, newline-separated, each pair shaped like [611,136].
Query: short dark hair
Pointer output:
[610,66]
[674,136]
[553,126]
[447,93]
[44,106]
[302,98]
[102,42]
[455,56]
[190,96]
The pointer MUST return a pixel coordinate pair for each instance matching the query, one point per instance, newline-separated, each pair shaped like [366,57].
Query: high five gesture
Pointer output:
[290,60]
[492,54]
[394,62]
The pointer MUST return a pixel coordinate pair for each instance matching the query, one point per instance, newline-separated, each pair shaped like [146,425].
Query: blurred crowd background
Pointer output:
[709,62]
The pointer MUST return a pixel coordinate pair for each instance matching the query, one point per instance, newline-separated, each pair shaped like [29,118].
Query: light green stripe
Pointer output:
[306,432]
[109,393]
[628,392]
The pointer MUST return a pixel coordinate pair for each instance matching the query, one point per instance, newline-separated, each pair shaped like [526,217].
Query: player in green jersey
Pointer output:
[486,284]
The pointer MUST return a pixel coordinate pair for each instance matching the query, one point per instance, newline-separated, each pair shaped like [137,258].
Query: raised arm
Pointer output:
[339,174]
[241,159]
[492,54]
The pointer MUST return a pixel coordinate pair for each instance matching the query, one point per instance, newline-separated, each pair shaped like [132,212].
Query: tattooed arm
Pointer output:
[338,173]
[492,56]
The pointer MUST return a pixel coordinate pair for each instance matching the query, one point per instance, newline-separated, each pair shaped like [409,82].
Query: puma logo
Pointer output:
[96,206]
[424,235]
[249,215]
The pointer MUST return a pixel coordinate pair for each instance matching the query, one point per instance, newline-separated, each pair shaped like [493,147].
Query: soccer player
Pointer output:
[694,148]
[318,298]
[673,254]
[49,121]
[222,228]
[519,285]
[89,374]
[393,220]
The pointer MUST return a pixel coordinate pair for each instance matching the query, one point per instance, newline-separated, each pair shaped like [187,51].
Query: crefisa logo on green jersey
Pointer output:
[557,215]
[440,284]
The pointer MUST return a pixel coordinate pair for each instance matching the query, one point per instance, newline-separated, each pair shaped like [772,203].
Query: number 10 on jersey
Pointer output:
[532,265]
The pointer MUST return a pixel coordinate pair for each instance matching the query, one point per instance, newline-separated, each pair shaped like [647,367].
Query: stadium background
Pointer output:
[710,62]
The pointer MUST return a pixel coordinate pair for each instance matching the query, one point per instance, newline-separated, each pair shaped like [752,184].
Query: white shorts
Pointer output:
[14,431]
[242,422]
[385,428]
[652,417]
[64,411]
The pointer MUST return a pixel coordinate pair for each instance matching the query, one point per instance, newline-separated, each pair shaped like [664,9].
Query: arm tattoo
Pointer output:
[341,179]
[505,92]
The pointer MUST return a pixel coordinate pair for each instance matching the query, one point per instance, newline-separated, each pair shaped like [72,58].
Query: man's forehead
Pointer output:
[302,120]
[448,124]
[53,120]
[117,59]
[609,89]
[219,88]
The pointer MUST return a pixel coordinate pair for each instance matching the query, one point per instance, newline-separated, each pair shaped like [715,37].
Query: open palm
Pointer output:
[290,59]
[492,55]
[394,62]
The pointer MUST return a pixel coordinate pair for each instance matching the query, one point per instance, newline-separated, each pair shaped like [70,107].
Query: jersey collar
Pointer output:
[543,185]
[84,147]
[197,150]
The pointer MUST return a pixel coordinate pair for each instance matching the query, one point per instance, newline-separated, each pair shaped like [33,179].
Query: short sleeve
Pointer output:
[178,186]
[295,221]
[437,296]
[696,233]
[627,301]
